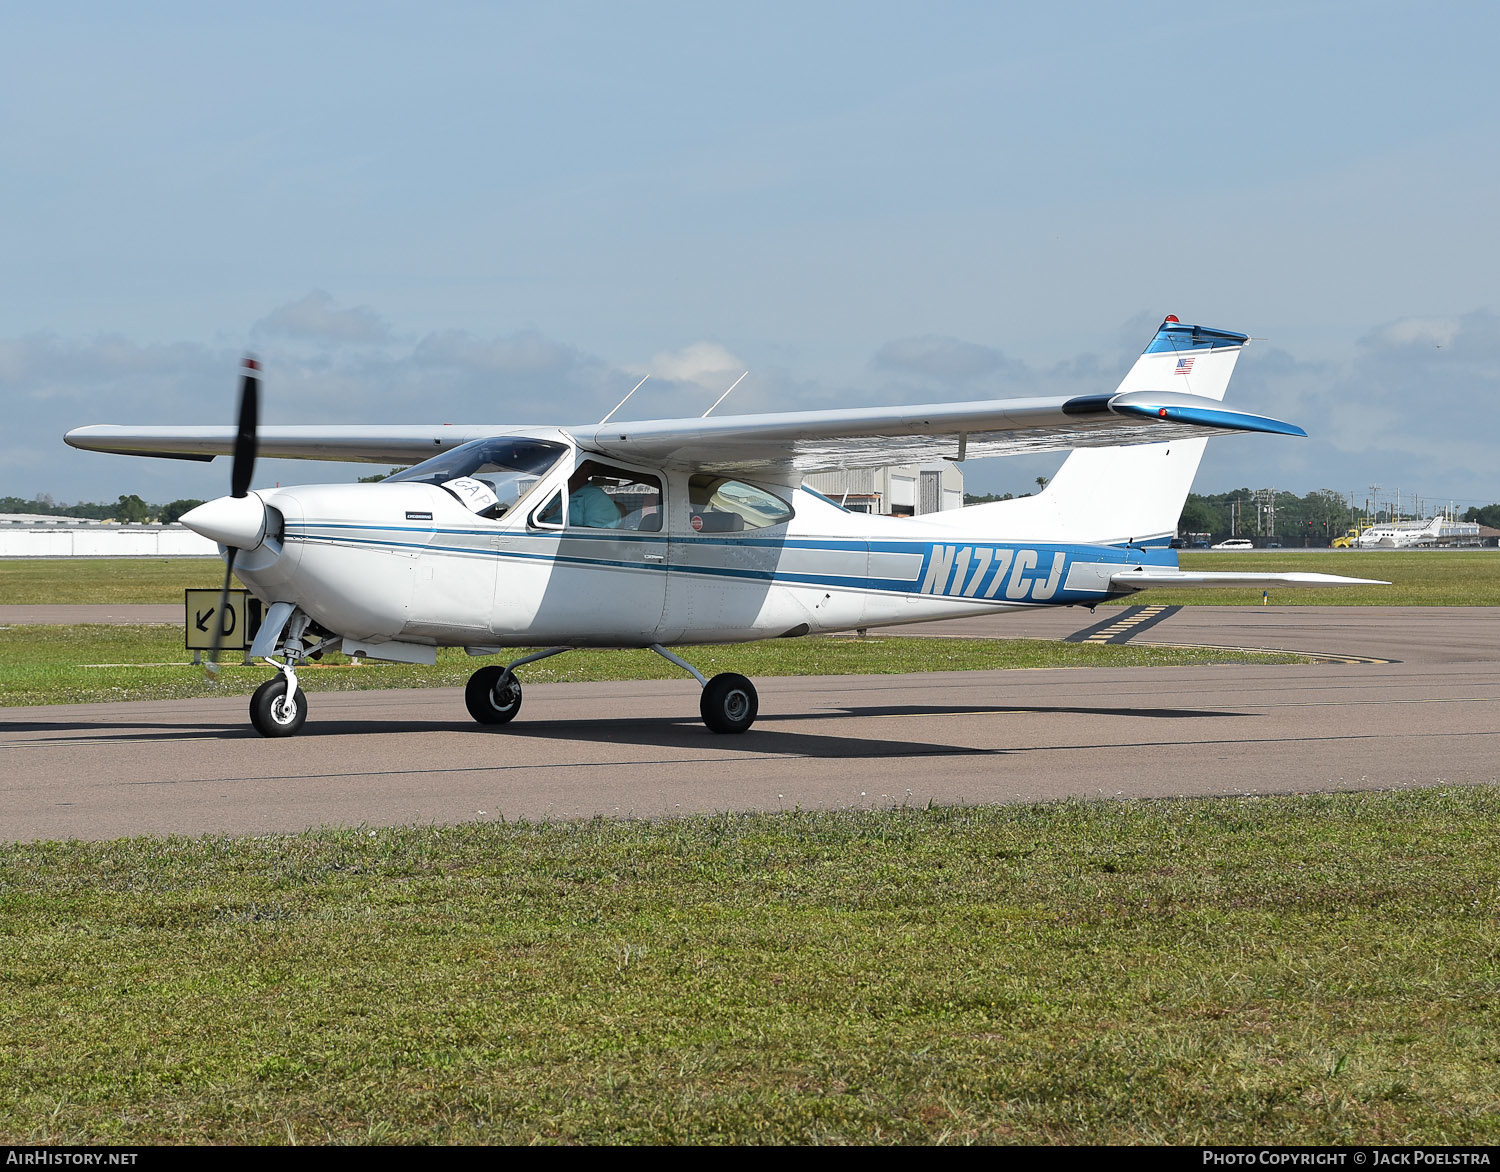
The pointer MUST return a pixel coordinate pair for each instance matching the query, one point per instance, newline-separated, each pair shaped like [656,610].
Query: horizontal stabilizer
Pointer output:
[1156,577]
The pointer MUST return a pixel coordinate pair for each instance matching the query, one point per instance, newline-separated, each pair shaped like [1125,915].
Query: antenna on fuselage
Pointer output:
[725,395]
[623,401]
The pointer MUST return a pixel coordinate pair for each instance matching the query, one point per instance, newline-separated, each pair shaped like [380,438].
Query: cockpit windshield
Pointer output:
[490,475]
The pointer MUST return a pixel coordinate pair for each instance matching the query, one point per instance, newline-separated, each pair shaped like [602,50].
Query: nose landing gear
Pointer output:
[279,706]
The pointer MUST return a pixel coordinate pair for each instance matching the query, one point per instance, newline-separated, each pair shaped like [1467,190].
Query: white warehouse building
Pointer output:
[900,490]
[24,535]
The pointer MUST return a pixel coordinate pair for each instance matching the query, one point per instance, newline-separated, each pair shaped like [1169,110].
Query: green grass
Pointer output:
[98,581]
[1416,577]
[52,665]
[1308,970]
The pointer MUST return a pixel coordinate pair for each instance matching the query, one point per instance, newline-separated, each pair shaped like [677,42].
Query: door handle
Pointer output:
[656,557]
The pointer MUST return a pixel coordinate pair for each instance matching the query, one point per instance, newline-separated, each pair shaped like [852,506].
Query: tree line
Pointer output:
[1314,519]
[129,508]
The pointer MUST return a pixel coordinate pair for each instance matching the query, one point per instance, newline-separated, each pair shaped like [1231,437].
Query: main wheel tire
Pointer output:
[484,705]
[272,714]
[729,703]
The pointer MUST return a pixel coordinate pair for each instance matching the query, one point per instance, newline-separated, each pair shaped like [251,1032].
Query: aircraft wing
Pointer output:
[814,441]
[1157,577]
[371,444]
[796,442]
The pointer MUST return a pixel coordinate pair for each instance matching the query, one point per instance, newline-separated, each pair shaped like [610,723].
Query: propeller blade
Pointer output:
[211,664]
[245,440]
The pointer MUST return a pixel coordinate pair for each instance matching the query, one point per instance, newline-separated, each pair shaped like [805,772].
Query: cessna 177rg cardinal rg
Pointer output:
[687,531]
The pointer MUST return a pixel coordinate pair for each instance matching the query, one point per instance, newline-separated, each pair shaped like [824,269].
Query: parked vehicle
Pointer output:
[1235,543]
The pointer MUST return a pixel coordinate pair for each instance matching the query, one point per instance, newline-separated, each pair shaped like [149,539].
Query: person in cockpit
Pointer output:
[589,505]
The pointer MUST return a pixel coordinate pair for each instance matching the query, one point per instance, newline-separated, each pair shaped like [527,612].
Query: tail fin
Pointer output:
[1110,496]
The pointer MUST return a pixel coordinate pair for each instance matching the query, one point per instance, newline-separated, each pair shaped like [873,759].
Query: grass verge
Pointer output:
[1308,970]
[104,581]
[1416,577]
[56,665]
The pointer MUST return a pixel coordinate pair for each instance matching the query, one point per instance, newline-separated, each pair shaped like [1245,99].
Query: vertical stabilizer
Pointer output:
[1110,496]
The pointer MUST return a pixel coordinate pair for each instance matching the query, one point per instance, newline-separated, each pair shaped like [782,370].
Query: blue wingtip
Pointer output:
[1213,417]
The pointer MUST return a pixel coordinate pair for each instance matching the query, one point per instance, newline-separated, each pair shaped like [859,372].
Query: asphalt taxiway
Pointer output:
[1430,714]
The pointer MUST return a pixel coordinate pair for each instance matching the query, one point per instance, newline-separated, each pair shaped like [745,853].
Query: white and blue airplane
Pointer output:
[668,533]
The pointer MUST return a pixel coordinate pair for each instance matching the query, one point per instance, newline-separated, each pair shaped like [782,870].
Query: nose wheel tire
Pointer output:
[729,703]
[274,714]
[486,703]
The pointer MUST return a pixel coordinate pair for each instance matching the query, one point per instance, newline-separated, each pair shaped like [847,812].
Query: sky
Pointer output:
[508,213]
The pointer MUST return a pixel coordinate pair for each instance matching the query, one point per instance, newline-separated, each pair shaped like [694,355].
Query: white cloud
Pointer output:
[703,363]
[1433,332]
[314,317]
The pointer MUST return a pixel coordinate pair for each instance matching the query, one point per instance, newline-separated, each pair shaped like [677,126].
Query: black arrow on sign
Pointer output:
[202,617]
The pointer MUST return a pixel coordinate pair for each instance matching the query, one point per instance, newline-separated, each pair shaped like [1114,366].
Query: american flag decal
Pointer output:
[1184,365]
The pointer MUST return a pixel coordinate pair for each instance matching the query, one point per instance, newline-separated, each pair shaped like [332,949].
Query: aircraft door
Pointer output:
[725,563]
[606,581]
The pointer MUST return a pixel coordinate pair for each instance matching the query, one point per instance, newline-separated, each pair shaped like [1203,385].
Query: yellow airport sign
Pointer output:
[240,619]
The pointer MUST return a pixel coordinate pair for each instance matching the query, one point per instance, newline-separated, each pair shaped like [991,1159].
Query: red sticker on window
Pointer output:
[697,521]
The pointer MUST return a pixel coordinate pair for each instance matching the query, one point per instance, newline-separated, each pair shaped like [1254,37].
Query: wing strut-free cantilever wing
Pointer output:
[360,443]
[782,443]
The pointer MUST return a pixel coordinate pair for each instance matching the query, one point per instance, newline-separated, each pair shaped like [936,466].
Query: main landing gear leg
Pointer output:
[493,694]
[728,703]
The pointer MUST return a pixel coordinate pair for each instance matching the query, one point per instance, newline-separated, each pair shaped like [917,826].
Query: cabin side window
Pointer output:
[601,496]
[549,516]
[720,505]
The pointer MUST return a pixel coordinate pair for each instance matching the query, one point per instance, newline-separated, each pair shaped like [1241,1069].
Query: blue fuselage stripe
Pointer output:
[984,571]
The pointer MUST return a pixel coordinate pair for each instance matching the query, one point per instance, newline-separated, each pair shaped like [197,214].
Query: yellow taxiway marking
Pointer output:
[1123,625]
